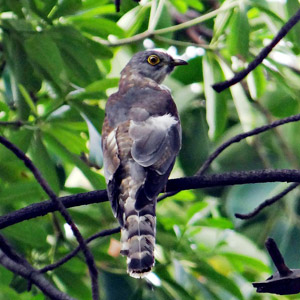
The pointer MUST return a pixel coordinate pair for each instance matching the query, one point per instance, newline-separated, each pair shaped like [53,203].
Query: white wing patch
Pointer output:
[160,123]
[150,138]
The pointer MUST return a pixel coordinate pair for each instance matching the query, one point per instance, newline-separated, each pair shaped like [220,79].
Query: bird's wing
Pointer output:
[111,161]
[156,142]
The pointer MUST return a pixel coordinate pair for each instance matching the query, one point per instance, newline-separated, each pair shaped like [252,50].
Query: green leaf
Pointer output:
[238,37]
[263,6]
[245,110]
[71,139]
[222,223]
[31,233]
[247,262]
[226,283]
[292,7]
[93,113]
[165,21]
[59,149]
[251,194]
[65,7]
[89,4]
[16,7]
[18,26]
[98,26]
[99,50]
[21,193]
[195,140]
[42,8]
[195,4]
[21,139]
[45,55]
[279,101]
[43,162]
[134,19]
[80,64]
[27,99]
[96,89]
[220,23]
[181,6]
[191,72]
[19,71]
[257,83]
[216,110]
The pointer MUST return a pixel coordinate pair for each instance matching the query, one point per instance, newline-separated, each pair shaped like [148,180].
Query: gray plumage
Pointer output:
[141,137]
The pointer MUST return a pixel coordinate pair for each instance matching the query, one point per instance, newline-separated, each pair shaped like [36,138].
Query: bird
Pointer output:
[141,137]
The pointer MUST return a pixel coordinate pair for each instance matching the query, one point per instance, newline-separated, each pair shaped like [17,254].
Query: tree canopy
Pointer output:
[59,62]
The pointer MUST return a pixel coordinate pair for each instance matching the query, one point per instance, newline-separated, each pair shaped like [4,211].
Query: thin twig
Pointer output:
[267,202]
[242,136]
[149,33]
[18,265]
[56,201]
[18,123]
[76,250]
[221,86]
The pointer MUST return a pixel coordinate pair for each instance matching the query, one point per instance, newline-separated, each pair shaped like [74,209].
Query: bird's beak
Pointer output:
[179,62]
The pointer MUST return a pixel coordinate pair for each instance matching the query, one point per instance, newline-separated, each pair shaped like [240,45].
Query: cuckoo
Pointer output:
[141,137]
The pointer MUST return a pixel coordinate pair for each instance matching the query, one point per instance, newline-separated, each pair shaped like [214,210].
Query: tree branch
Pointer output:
[267,202]
[18,265]
[76,250]
[173,185]
[45,207]
[18,123]
[187,24]
[242,136]
[221,86]
[61,208]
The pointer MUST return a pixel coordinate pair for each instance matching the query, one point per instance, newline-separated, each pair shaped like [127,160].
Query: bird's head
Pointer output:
[154,64]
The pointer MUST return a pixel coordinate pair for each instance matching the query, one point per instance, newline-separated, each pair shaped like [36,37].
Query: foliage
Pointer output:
[60,60]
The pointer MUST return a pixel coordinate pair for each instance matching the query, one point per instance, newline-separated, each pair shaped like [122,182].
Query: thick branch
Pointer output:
[45,207]
[221,86]
[174,185]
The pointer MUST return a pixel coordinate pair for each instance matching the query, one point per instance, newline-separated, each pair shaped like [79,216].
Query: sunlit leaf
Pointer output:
[98,26]
[238,38]
[43,162]
[216,109]
[44,53]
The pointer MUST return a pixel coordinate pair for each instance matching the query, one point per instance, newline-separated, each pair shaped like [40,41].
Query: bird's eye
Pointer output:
[153,60]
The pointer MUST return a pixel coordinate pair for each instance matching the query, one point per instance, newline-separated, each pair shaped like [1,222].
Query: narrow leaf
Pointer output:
[27,99]
[216,111]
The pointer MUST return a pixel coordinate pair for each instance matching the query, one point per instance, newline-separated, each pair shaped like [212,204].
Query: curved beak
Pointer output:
[179,62]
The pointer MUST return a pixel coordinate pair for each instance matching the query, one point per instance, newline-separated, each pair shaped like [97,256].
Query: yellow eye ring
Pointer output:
[153,60]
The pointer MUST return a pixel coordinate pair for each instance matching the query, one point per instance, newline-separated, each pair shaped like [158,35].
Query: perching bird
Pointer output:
[141,137]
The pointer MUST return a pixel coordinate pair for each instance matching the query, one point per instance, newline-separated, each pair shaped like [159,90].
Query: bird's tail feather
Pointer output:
[138,238]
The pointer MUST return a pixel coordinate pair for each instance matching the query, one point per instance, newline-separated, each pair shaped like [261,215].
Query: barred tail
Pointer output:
[138,238]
